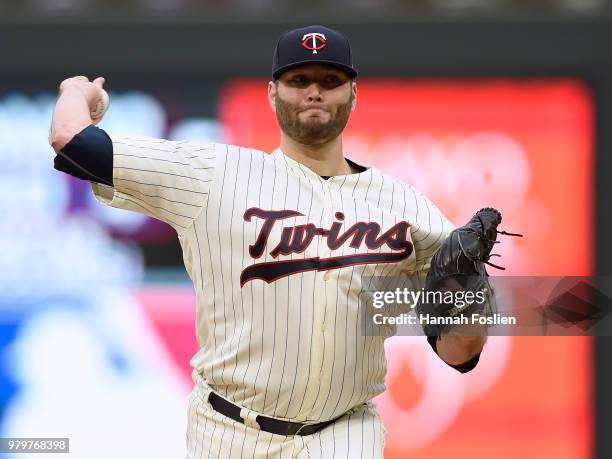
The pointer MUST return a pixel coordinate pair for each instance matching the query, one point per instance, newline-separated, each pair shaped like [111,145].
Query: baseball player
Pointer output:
[277,246]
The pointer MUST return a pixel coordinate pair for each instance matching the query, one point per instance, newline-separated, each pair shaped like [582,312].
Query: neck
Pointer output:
[325,159]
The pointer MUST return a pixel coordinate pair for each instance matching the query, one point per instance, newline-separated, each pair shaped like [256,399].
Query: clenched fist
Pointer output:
[95,95]
[80,103]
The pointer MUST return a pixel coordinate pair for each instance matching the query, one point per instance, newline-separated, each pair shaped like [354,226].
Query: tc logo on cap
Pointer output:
[313,41]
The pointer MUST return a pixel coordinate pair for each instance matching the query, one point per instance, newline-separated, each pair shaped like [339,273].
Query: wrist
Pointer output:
[461,344]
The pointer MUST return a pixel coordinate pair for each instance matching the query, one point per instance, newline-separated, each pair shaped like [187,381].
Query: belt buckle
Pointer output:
[249,418]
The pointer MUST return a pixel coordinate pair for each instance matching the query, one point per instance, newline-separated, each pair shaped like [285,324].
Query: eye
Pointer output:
[332,81]
[298,80]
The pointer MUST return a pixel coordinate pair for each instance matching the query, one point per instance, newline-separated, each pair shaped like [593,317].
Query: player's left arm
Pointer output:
[461,346]
[458,267]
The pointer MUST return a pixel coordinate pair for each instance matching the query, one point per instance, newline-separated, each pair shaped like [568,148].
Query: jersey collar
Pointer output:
[300,168]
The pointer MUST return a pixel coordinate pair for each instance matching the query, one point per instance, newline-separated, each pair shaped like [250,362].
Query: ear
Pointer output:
[272,95]
[354,90]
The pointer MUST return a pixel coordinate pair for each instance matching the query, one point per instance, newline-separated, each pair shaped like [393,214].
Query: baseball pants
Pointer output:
[357,434]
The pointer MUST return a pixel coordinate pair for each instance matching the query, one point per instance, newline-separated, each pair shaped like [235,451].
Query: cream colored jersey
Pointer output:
[277,256]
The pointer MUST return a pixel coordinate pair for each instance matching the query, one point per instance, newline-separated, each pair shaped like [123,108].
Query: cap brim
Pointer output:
[349,70]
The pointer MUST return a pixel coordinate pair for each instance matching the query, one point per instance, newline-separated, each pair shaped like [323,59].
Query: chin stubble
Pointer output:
[311,133]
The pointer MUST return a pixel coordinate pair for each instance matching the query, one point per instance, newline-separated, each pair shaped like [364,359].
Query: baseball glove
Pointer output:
[459,266]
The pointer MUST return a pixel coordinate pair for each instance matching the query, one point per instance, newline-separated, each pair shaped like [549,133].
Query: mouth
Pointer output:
[314,113]
[314,110]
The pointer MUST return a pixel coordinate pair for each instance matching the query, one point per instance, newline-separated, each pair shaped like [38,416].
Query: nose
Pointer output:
[314,93]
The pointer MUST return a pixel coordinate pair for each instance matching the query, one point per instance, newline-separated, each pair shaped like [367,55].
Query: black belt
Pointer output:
[272,425]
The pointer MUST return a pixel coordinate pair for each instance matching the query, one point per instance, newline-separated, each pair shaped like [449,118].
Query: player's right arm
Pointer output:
[167,180]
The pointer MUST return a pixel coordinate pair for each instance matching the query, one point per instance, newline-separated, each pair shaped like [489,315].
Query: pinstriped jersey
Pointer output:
[278,257]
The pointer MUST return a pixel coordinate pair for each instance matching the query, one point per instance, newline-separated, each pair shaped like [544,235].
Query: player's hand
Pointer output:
[458,267]
[92,90]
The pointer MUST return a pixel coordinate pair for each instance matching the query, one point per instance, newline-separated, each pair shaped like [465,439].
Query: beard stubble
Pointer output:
[311,132]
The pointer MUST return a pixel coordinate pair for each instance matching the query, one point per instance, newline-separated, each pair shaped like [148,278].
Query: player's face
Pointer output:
[313,102]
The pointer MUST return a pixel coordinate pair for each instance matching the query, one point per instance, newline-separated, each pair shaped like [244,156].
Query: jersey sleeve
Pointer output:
[167,180]
[429,227]
[88,156]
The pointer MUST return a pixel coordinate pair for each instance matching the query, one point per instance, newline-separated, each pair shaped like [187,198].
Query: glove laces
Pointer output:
[481,235]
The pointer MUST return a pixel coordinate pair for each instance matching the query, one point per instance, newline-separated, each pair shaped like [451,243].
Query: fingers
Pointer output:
[99,82]
[91,89]
[79,80]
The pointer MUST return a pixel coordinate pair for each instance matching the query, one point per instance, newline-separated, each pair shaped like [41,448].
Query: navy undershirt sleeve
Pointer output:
[462,368]
[88,156]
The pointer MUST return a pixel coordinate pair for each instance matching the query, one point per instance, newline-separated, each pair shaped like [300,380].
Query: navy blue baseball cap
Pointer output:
[312,45]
